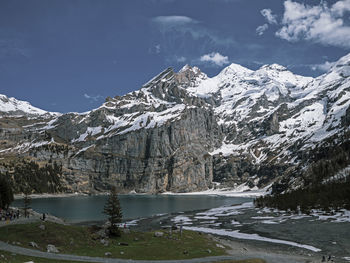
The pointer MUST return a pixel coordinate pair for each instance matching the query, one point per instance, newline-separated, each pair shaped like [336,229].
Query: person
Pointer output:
[44,216]
[17,214]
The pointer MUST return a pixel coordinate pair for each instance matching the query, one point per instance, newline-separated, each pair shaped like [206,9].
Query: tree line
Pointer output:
[6,193]
[326,161]
[331,196]
[39,179]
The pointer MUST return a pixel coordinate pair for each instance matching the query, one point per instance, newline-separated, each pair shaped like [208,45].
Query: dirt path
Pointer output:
[235,255]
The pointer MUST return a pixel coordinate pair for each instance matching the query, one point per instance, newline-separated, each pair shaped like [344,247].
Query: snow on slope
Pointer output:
[240,88]
[19,107]
[313,107]
[143,109]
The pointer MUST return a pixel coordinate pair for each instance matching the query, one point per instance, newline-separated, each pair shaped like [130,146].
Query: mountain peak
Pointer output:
[164,75]
[235,69]
[188,68]
[344,63]
[185,68]
[275,67]
[12,106]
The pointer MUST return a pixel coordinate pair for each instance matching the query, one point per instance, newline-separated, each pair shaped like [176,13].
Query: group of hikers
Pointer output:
[12,214]
[8,214]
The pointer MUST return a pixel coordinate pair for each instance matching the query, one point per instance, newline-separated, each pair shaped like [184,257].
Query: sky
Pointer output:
[69,55]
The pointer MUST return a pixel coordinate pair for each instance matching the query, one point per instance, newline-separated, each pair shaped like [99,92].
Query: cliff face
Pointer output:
[153,140]
[183,130]
[171,157]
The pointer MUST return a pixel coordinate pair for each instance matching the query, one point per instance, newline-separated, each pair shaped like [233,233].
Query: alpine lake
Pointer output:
[84,209]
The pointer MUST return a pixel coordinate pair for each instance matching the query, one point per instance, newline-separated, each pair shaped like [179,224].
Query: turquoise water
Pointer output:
[89,208]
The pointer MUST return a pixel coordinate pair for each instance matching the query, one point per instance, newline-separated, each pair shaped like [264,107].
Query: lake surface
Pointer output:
[75,209]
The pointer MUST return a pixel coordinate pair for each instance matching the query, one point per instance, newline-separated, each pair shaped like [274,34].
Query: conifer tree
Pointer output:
[27,200]
[6,194]
[113,210]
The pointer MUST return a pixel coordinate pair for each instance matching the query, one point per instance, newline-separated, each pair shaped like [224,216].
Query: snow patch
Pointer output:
[237,234]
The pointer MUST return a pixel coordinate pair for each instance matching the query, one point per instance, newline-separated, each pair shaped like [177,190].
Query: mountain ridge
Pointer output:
[183,130]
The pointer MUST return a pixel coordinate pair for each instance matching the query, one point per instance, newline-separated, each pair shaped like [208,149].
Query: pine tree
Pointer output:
[6,194]
[113,210]
[27,200]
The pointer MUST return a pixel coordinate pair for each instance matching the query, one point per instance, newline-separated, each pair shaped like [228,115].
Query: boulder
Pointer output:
[220,246]
[52,249]
[158,234]
[42,227]
[33,244]
[104,242]
[101,233]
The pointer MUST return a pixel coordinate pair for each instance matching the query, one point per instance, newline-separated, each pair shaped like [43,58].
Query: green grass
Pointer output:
[141,245]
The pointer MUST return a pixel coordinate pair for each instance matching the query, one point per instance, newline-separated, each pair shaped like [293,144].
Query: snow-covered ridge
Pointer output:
[263,112]
[296,108]
[19,107]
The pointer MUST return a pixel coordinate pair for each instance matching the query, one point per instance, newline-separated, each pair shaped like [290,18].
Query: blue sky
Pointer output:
[69,55]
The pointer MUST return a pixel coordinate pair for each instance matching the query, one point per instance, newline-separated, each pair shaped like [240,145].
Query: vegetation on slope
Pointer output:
[6,194]
[320,191]
[332,196]
[30,175]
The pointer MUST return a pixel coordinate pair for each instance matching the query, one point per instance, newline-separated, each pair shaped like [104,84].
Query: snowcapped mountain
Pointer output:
[183,130]
[12,106]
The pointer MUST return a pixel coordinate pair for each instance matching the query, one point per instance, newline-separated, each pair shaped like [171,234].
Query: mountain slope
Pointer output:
[14,107]
[183,130]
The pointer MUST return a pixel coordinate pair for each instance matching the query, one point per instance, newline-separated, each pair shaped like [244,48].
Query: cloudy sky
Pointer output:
[69,55]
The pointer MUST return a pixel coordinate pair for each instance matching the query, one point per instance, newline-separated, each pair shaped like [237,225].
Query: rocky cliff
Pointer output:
[182,131]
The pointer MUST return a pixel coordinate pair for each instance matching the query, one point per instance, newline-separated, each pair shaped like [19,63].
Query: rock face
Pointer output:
[183,130]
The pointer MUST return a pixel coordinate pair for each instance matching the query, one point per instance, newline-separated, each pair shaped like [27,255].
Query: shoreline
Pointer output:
[226,192]
[49,195]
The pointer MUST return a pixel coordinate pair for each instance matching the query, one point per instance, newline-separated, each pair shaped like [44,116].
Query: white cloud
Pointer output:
[321,24]
[341,7]
[184,26]
[180,59]
[215,58]
[323,66]
[261,29]
[92,98]
[267,13]
[173,20]
[157,48]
